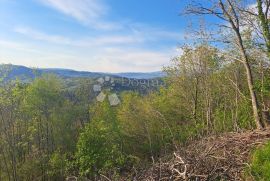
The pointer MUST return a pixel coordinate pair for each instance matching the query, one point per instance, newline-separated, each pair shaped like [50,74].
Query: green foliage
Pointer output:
[38,124]
[50,132]
[43,95]
[260,163]
[34,168]
[57,166]
[99,147]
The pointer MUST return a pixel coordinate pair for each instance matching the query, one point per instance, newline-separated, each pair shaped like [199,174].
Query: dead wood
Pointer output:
[214,158]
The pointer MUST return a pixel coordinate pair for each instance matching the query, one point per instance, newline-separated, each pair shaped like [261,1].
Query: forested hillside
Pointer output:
[219,84]
[11,72]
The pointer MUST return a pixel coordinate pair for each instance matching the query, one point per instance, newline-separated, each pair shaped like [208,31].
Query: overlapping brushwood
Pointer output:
[213,158]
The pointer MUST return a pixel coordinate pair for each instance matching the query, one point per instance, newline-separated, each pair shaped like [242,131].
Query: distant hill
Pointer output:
[11,72]
[142,75]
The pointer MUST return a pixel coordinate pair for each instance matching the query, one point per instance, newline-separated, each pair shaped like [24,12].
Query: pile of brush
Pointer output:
[214,158]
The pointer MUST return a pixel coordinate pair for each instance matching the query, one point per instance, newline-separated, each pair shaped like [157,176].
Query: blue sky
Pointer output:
[91,35]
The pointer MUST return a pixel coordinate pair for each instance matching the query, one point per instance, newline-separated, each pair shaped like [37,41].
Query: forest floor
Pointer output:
[224,157]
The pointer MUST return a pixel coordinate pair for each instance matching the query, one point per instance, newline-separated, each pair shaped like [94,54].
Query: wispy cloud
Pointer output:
[42,36]
[155,33]
[130,38]
[109,53]
[131,60]
[18,46]
[82,42]
[104,58]
[138,46]
[88,12]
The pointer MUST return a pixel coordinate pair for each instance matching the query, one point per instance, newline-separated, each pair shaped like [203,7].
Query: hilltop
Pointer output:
[12,72]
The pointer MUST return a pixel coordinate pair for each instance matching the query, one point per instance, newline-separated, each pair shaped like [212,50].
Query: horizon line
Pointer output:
[59,68]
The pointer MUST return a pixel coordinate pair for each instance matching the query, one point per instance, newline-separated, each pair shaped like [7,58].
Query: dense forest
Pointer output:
[220,83]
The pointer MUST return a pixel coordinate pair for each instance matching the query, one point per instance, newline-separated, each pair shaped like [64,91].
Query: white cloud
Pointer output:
[128,39]
[109,40]
[106,59]
[42,36]
[88,12]
[123,51]
[154,33]
[124,59]
[119,61]
[17,46]
[108,53]
[83,42]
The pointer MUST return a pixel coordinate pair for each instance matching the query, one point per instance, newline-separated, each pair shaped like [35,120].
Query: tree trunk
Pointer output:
[234,22]
[195,101]
[235,119]
[254,100]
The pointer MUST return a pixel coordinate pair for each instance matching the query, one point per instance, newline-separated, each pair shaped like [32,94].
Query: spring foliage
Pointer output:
[50,132]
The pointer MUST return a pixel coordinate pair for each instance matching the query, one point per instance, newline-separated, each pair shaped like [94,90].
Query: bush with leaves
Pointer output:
[99,146]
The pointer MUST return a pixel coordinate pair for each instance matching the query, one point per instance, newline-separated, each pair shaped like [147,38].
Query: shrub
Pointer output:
[260,163]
